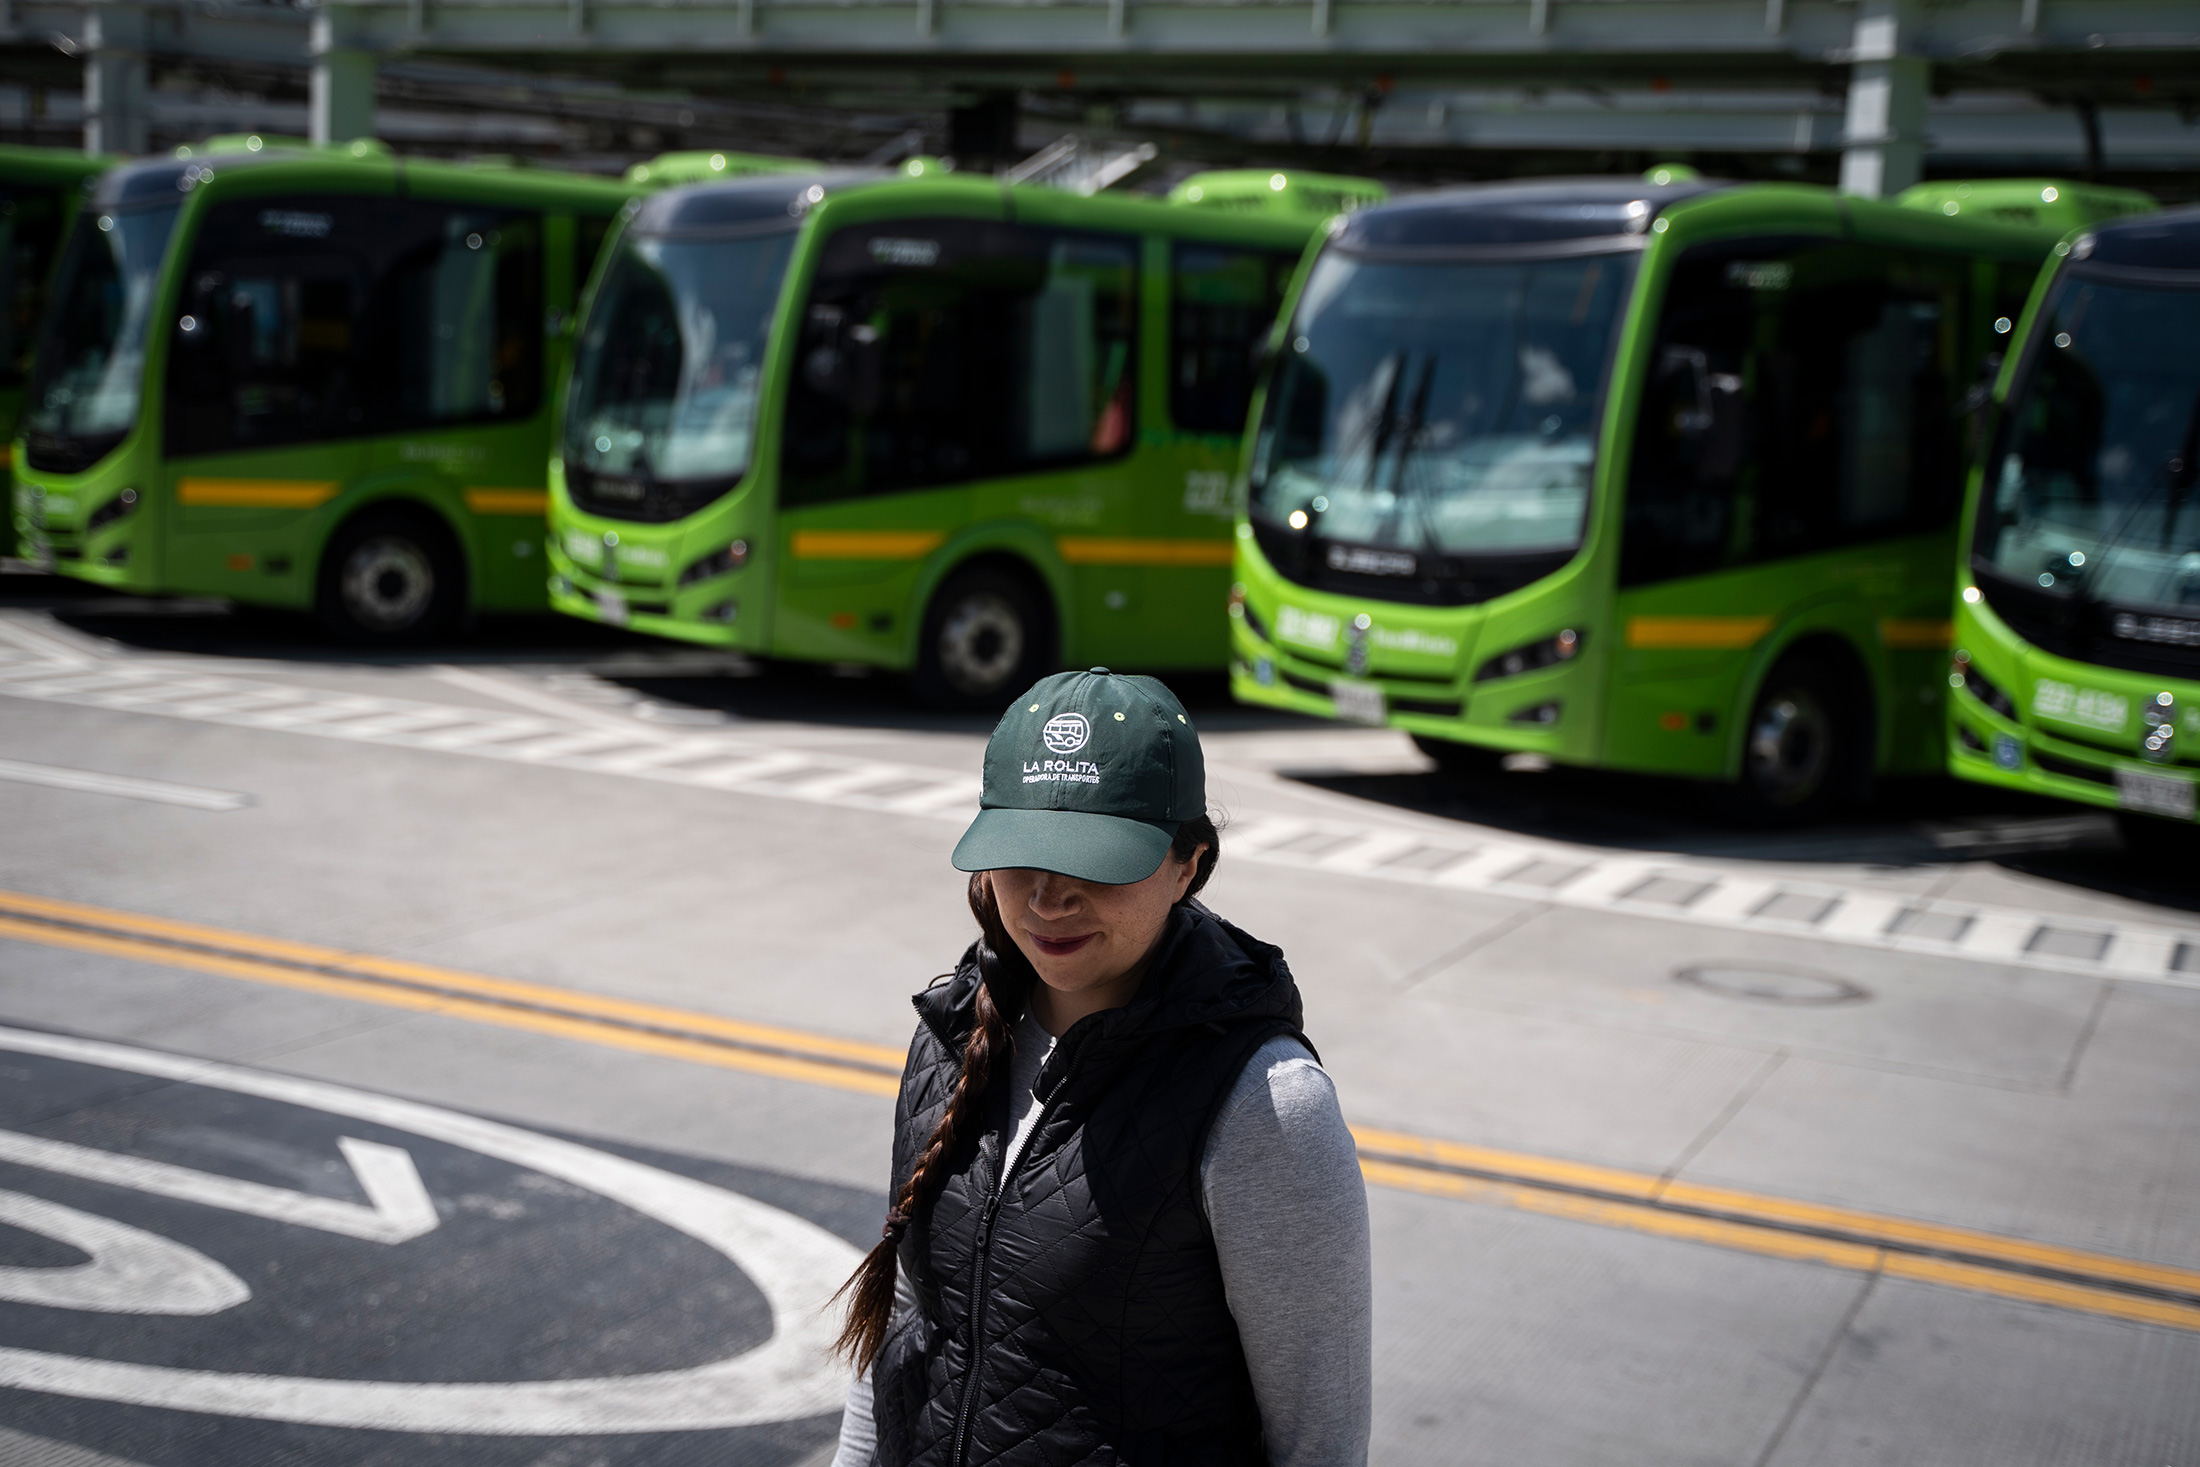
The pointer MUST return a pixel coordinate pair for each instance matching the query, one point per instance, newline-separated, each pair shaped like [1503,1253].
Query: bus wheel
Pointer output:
[986,639]
[390,576]
[1799,748]
[1464,761]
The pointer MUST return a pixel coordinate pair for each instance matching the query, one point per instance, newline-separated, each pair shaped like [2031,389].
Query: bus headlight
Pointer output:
[1961,674]
[1552,650]
[114,509]
[717,563]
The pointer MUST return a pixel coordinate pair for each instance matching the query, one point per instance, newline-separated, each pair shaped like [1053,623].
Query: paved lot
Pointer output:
[485,1057]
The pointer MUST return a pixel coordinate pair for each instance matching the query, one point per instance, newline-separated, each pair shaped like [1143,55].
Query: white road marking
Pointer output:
[794,1263]
[397,1210]
[53,776]
[130,1271]
[1732,895]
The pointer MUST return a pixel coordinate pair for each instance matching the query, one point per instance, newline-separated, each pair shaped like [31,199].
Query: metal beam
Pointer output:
[115,80]
[1885,137]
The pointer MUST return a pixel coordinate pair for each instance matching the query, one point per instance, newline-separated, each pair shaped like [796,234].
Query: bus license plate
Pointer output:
[2154,794]
[611,606]
[1358,702]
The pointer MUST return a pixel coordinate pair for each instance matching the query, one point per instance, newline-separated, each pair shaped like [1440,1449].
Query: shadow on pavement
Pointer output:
[1911,822]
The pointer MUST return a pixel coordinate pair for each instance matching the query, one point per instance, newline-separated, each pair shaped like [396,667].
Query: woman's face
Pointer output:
[1084,938]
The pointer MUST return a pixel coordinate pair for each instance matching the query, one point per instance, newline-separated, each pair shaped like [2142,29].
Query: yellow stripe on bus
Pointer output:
[7,455]
[508,501]
[864,544]
[1925,634]
[255,493]
[1088,550]
[1724,633]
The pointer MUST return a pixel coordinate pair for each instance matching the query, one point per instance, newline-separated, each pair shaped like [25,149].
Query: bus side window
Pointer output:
[1799,399]
[30,228]
[1222,303]
[940,351]
[264,350]
[459,311]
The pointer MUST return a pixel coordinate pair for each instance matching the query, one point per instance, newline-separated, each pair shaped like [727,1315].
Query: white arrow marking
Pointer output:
[793,1262]
[130,1270]
[397,1207]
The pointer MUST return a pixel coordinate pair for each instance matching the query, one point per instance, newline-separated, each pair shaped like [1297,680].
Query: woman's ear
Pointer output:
[1190,870]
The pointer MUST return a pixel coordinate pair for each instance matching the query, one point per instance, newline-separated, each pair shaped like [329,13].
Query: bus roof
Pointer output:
[1509,215]
[764,201]
[149,180]
[1272,190]
[2154,243]
[669,170]
[2052,203]
[49,165]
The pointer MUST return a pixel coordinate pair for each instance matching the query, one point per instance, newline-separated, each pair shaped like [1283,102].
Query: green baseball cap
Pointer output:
[1089,774]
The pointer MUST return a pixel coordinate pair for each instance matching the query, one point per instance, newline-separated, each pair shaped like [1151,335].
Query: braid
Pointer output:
[1000,965]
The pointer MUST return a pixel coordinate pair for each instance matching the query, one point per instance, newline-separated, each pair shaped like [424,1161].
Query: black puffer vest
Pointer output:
[1079,1316]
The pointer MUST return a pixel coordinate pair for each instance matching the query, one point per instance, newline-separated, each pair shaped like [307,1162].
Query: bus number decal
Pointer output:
[297,223]
[920,253]
[2108,712]
[1307,628]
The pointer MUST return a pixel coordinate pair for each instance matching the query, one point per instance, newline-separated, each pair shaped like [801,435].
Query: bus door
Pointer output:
[266,402]
[937,355]
[457,348]
[1223,300]
[1797,451]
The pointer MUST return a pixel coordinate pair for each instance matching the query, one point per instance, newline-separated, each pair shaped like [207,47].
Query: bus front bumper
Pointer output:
[709,614]
[2025,719]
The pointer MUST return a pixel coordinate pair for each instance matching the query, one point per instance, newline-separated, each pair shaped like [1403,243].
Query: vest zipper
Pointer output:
[985,1267]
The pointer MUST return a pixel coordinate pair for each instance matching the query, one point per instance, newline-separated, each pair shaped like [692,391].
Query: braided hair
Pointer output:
[1005,977]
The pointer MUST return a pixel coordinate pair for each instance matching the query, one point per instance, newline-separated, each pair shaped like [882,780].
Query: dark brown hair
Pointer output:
[1005,977]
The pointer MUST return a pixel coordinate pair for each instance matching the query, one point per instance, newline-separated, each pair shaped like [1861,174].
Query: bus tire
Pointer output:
[391,577]
[1460,761]
[987,636]
[1804,745]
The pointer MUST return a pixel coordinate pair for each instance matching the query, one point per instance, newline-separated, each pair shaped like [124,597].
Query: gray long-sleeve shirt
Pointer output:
[1280,1182]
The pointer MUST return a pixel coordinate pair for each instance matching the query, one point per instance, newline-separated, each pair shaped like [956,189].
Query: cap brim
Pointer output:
[1108,849]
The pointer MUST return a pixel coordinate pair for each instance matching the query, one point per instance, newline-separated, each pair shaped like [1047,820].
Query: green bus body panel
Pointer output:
[483,480]
[1105,539]
[63,174]
[2092,726]
[1666,673]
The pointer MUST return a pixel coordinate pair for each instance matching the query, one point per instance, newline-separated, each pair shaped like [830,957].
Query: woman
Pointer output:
[1127,1222]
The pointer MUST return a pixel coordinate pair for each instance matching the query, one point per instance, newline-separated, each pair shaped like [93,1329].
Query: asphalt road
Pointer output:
[486,1056]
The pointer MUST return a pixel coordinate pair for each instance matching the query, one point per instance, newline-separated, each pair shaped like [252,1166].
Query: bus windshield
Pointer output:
[663,407]
[2090,497]
[1426,414]
[84,397]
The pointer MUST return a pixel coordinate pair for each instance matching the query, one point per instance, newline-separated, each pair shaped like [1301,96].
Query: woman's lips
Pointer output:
[1060,947]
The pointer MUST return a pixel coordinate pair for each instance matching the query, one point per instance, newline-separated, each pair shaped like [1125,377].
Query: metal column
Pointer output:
[1888,84]
[341,89]
[115,85]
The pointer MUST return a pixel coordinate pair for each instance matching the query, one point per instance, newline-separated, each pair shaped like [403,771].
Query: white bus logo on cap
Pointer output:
[1066,733]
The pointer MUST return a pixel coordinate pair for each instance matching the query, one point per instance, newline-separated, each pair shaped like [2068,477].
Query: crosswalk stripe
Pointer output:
[1675,889]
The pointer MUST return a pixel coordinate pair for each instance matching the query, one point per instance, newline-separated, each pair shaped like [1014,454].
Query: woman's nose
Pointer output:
[1052,894]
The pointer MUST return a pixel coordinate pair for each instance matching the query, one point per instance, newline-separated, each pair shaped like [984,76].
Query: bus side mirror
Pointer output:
[1710,412]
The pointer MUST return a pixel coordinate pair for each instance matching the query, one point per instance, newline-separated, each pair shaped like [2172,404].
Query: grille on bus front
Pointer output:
[641,498]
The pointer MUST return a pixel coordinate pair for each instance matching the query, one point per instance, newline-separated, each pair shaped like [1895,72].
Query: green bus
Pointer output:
[40,189]
[1653,477]
[309,378]
[933,424]
[2077,612]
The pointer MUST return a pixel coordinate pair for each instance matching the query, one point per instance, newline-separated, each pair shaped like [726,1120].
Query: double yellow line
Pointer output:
[1986,1263]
